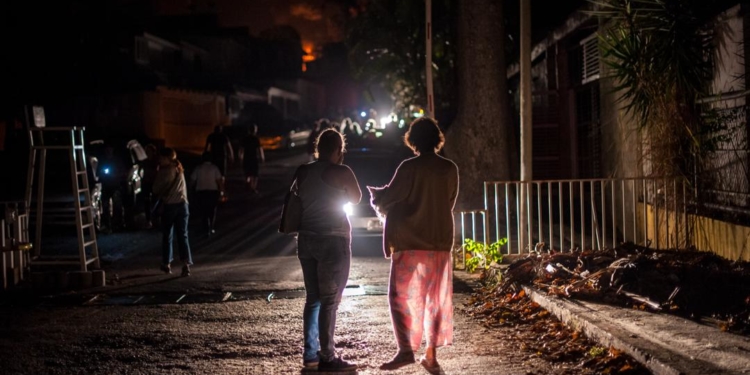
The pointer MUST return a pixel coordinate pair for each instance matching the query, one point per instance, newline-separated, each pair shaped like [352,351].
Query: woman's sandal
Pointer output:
[431,367]
[398,361]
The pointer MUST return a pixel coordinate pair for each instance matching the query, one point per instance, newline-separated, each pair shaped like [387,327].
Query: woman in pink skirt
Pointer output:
[418,237]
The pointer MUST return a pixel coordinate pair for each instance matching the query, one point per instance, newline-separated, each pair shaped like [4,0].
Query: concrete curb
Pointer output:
[665,344]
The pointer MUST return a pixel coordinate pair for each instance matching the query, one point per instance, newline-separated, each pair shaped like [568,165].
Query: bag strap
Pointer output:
[295,186]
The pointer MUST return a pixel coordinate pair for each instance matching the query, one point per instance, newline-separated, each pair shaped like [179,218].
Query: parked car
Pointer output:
[286,135]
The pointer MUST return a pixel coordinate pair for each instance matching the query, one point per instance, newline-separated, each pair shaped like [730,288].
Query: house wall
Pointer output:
[728,240]
[730,67]
[623,152]
[186,118]
[151,104]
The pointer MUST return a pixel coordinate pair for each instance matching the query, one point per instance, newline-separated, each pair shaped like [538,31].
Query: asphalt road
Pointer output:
[239,313]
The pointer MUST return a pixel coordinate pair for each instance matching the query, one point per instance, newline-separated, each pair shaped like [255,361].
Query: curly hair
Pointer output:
[424,135]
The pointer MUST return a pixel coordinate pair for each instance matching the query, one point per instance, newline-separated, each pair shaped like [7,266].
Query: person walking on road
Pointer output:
[208,183]
[251,155]
[418,237]
[313,137]
[170,188]
[221,149]
[324,246]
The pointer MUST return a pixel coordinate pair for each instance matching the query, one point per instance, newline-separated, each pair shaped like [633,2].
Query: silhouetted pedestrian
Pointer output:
[208,183]
[170,188]
[221,149]
[324,246]
[418,237]
[251,155]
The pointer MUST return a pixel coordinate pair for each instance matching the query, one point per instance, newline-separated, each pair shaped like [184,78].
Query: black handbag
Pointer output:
[291,213]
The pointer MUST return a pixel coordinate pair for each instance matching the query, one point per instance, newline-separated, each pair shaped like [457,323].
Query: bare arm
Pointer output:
[230,151]
[261,155]
[351,186]
[219,180]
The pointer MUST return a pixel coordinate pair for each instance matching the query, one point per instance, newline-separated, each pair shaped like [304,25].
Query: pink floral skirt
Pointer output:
[420,294]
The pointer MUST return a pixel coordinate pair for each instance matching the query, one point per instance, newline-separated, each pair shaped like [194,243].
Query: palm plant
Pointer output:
[661,55]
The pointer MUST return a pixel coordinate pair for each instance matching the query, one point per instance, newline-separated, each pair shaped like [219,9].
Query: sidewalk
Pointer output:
[665,344]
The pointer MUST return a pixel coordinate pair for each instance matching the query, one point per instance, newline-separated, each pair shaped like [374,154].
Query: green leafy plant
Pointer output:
[661,55]
[597,351]
[481,255]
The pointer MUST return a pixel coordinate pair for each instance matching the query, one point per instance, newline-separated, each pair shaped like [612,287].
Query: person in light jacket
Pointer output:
[170,188]
[418,237]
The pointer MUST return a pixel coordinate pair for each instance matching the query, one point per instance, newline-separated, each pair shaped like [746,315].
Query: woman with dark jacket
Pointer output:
[418,237]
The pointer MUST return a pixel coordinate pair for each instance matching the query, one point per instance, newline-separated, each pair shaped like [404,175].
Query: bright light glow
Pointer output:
[378,134]
[349,209]
[401,123]
[363,114]
[417,114]
[106,170]
[385,121]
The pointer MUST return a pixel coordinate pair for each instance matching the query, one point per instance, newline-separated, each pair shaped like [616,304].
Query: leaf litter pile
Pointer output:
[692,284]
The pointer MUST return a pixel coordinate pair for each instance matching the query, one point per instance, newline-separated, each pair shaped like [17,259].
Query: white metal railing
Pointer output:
[473,224]
[582,213]
[14,240]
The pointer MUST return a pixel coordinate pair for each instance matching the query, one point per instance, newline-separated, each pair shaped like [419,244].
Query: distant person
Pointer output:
[113,174]
[347,129]
[313,137]
[418,237]
[170,188]
[208,183]
[150,166]
[220,147]
[251,155]
[324,247]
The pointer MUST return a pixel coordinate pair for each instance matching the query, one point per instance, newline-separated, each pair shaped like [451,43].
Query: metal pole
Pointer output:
[428,58]
[526,145]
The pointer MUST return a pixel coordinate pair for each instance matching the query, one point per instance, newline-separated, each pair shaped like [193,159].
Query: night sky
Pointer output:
[318,21]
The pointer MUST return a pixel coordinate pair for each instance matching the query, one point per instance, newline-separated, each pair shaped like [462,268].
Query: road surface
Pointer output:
[239,313]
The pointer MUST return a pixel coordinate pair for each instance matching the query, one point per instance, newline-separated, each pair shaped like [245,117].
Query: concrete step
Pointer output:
[665,344]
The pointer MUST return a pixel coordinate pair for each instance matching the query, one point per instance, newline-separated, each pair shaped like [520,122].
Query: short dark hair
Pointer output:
[424,135]
[328,142]
[168,152]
